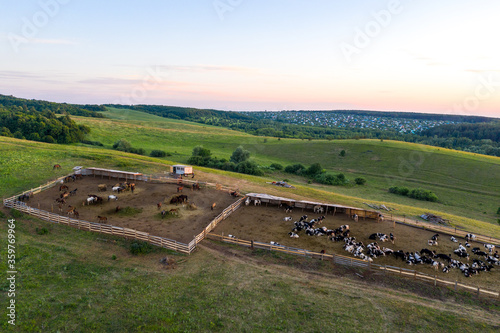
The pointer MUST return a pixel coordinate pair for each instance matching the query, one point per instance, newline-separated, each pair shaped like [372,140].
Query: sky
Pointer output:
[255,55]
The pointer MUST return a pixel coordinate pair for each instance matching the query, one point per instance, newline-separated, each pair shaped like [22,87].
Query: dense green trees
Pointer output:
[239,161]
[418,193]
[23,123]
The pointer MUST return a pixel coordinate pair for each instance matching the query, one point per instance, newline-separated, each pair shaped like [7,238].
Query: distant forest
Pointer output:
[475,134]
[49,122]
[38,120]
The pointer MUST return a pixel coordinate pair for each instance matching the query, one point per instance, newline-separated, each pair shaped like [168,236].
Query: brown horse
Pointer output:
[102,219]
[56,166]
[158,205]
[213,206]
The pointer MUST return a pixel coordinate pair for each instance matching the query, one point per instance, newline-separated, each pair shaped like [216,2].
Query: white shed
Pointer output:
[181,169]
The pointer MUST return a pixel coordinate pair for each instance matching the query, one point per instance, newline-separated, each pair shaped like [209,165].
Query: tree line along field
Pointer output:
[466,184]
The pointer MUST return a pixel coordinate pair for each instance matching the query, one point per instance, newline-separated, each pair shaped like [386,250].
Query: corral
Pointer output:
[266,224]
[142,213]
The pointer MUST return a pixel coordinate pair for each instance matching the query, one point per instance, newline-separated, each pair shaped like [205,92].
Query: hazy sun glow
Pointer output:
[256,55]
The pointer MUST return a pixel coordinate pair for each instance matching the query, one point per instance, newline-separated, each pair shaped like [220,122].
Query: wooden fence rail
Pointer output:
[354,262]
[100,228]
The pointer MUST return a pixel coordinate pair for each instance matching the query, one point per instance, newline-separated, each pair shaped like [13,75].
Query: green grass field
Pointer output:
[76,281]
[467,184]
[68,281]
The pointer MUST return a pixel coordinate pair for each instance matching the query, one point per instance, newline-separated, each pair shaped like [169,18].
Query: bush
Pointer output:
[314,169]
[113,257]
[498,211]
[421,194]
[297,169]
[42,231]
[89,142]
[418,193]
[249,168]
[279,167]
[122,145]
[15,213]
[399,190]
[360,181]
[342,153]
[138,247]
[157,153]
[240,155]
[331,179]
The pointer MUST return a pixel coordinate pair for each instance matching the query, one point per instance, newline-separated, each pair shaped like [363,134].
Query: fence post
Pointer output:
[385,269]
[478,291]
[435,280]
[456,282]
[414,275]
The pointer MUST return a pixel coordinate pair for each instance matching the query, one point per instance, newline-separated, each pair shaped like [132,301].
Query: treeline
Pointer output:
[58,108]
[23,123]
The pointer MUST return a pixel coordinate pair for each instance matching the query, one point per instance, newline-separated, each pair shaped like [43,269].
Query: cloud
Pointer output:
[209,68]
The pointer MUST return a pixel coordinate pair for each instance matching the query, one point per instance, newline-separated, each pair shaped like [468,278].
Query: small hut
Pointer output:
[182,170]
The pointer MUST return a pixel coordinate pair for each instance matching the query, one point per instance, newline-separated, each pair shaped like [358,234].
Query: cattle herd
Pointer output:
[482,261]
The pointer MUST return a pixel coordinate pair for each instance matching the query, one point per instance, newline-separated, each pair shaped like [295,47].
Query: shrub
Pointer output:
[122,145]
[157,153]
[297,169]
[399,190]
[42,231]
[113,257]
[88,142]
[138,247]
[342,153]
[360,181]
[498,211]
[314,169]
[421,194]
[279,167]
[331,179]
[15,213]
[240,155]
[249,168]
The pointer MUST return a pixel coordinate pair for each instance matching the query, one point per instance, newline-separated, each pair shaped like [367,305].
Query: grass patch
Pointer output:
[129,211]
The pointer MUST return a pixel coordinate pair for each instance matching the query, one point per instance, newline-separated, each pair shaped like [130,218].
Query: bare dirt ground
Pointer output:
[181,228]
[266,224]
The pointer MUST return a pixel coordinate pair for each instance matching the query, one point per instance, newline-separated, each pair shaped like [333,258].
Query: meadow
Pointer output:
[75,281]
[467,185]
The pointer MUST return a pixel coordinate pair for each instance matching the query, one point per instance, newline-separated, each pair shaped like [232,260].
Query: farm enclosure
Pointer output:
[266,224]
[143,213]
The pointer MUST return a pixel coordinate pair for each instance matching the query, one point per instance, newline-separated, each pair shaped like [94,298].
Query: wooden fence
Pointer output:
[98,227]
[354,262]
[447,230]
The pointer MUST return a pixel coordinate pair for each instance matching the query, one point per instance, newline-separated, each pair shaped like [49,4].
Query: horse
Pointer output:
[158,205]
[102,219]
[174,211]
[56,166]
[213,206]
[180,188]
[63,187]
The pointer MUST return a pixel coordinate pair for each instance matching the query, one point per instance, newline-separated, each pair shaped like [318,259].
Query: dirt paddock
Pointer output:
[266,224]
[146,195]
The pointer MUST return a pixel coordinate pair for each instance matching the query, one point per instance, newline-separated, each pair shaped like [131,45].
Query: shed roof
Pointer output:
[275,198]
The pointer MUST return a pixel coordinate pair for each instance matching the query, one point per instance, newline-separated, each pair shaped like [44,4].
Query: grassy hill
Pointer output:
[467,184]
[68,280]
